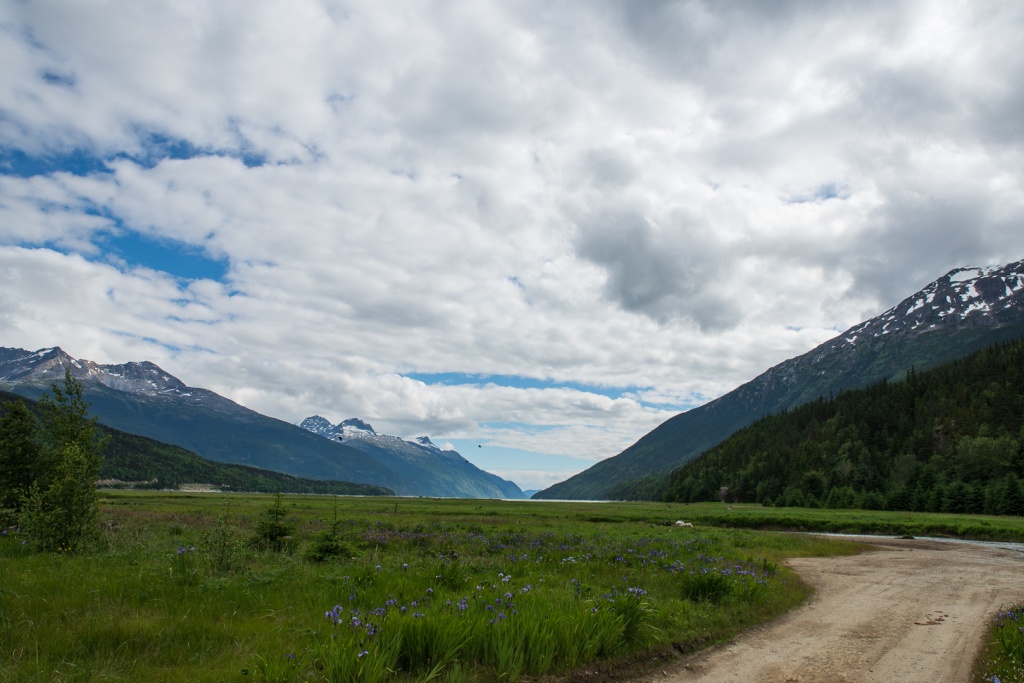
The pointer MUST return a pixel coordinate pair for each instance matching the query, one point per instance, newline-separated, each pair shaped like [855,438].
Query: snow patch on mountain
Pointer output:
[960,293]
[356,429]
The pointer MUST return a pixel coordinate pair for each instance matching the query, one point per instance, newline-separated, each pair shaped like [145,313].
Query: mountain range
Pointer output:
[418,458]
[961,312]
[142,399]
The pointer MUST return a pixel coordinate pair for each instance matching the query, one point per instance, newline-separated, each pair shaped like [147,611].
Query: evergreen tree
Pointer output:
[20,455]
[66,420]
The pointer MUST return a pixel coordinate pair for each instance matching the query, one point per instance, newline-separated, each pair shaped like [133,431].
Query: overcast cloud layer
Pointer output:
[614,210]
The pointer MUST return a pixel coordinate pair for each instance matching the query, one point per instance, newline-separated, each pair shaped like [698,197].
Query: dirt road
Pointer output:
[911,611]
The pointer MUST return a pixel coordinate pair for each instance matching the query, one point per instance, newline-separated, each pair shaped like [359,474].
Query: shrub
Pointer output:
[224,550]
[326,544]
[272,532]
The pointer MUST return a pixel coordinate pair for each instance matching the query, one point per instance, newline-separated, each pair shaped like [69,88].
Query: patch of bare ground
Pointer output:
[911,611]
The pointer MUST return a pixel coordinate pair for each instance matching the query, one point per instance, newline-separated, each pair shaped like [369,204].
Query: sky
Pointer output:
[530,230]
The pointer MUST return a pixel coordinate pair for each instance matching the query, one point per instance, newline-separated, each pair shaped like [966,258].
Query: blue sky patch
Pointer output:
[517,381]
[822,193]
[175,258]
[78,162]
[156,147]
[59,79]
[488,457]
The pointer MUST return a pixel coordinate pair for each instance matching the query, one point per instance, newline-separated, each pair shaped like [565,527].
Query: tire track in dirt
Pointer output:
[911,611]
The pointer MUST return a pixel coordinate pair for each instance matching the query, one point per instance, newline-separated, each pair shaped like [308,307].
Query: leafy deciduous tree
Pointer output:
[60,510]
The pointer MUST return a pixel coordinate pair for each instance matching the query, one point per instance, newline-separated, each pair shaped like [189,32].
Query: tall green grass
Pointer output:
[380,590]
[1002,659]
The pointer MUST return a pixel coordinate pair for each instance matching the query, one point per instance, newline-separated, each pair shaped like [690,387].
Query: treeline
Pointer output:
[946,440]
[131,461]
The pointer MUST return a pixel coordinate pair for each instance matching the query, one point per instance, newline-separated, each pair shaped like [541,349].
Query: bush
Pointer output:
[272,532]
[326,544]
[224,549]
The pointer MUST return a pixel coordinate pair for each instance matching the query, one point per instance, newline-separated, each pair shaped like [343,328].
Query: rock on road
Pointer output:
[912,611]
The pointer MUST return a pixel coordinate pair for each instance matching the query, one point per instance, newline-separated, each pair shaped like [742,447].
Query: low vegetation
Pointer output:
[212,587]
[879,522]
[1002,659]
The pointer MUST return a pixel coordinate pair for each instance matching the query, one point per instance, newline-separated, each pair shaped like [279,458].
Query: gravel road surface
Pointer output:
[912,611]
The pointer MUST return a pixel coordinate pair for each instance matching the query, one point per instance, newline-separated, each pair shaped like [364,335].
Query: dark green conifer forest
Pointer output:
[946,440]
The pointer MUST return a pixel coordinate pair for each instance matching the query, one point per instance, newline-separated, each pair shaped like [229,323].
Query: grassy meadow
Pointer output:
[197,587]
[233,587]
[879,522]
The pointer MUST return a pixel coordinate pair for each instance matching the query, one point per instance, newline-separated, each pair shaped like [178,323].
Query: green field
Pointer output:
[891,523]
[364,589]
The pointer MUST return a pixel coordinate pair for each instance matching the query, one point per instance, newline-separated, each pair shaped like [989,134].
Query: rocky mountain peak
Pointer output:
[42,365]
[976,292]
[356,423]
[318,425]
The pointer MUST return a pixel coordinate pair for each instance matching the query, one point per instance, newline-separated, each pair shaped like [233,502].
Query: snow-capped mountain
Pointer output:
[18,366]
[442,473]
[983,294]
[143,399]
[963,311]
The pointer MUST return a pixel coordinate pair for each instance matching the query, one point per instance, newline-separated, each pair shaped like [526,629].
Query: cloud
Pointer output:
[665,198]
[664,269]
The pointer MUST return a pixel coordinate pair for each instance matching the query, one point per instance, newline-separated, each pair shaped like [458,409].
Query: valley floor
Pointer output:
[908,610]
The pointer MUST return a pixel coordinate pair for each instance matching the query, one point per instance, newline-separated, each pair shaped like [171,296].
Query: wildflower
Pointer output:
[501,616]
[363,653]
[405,566]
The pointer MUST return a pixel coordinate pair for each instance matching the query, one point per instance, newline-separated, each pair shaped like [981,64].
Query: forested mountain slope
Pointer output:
[950,439]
